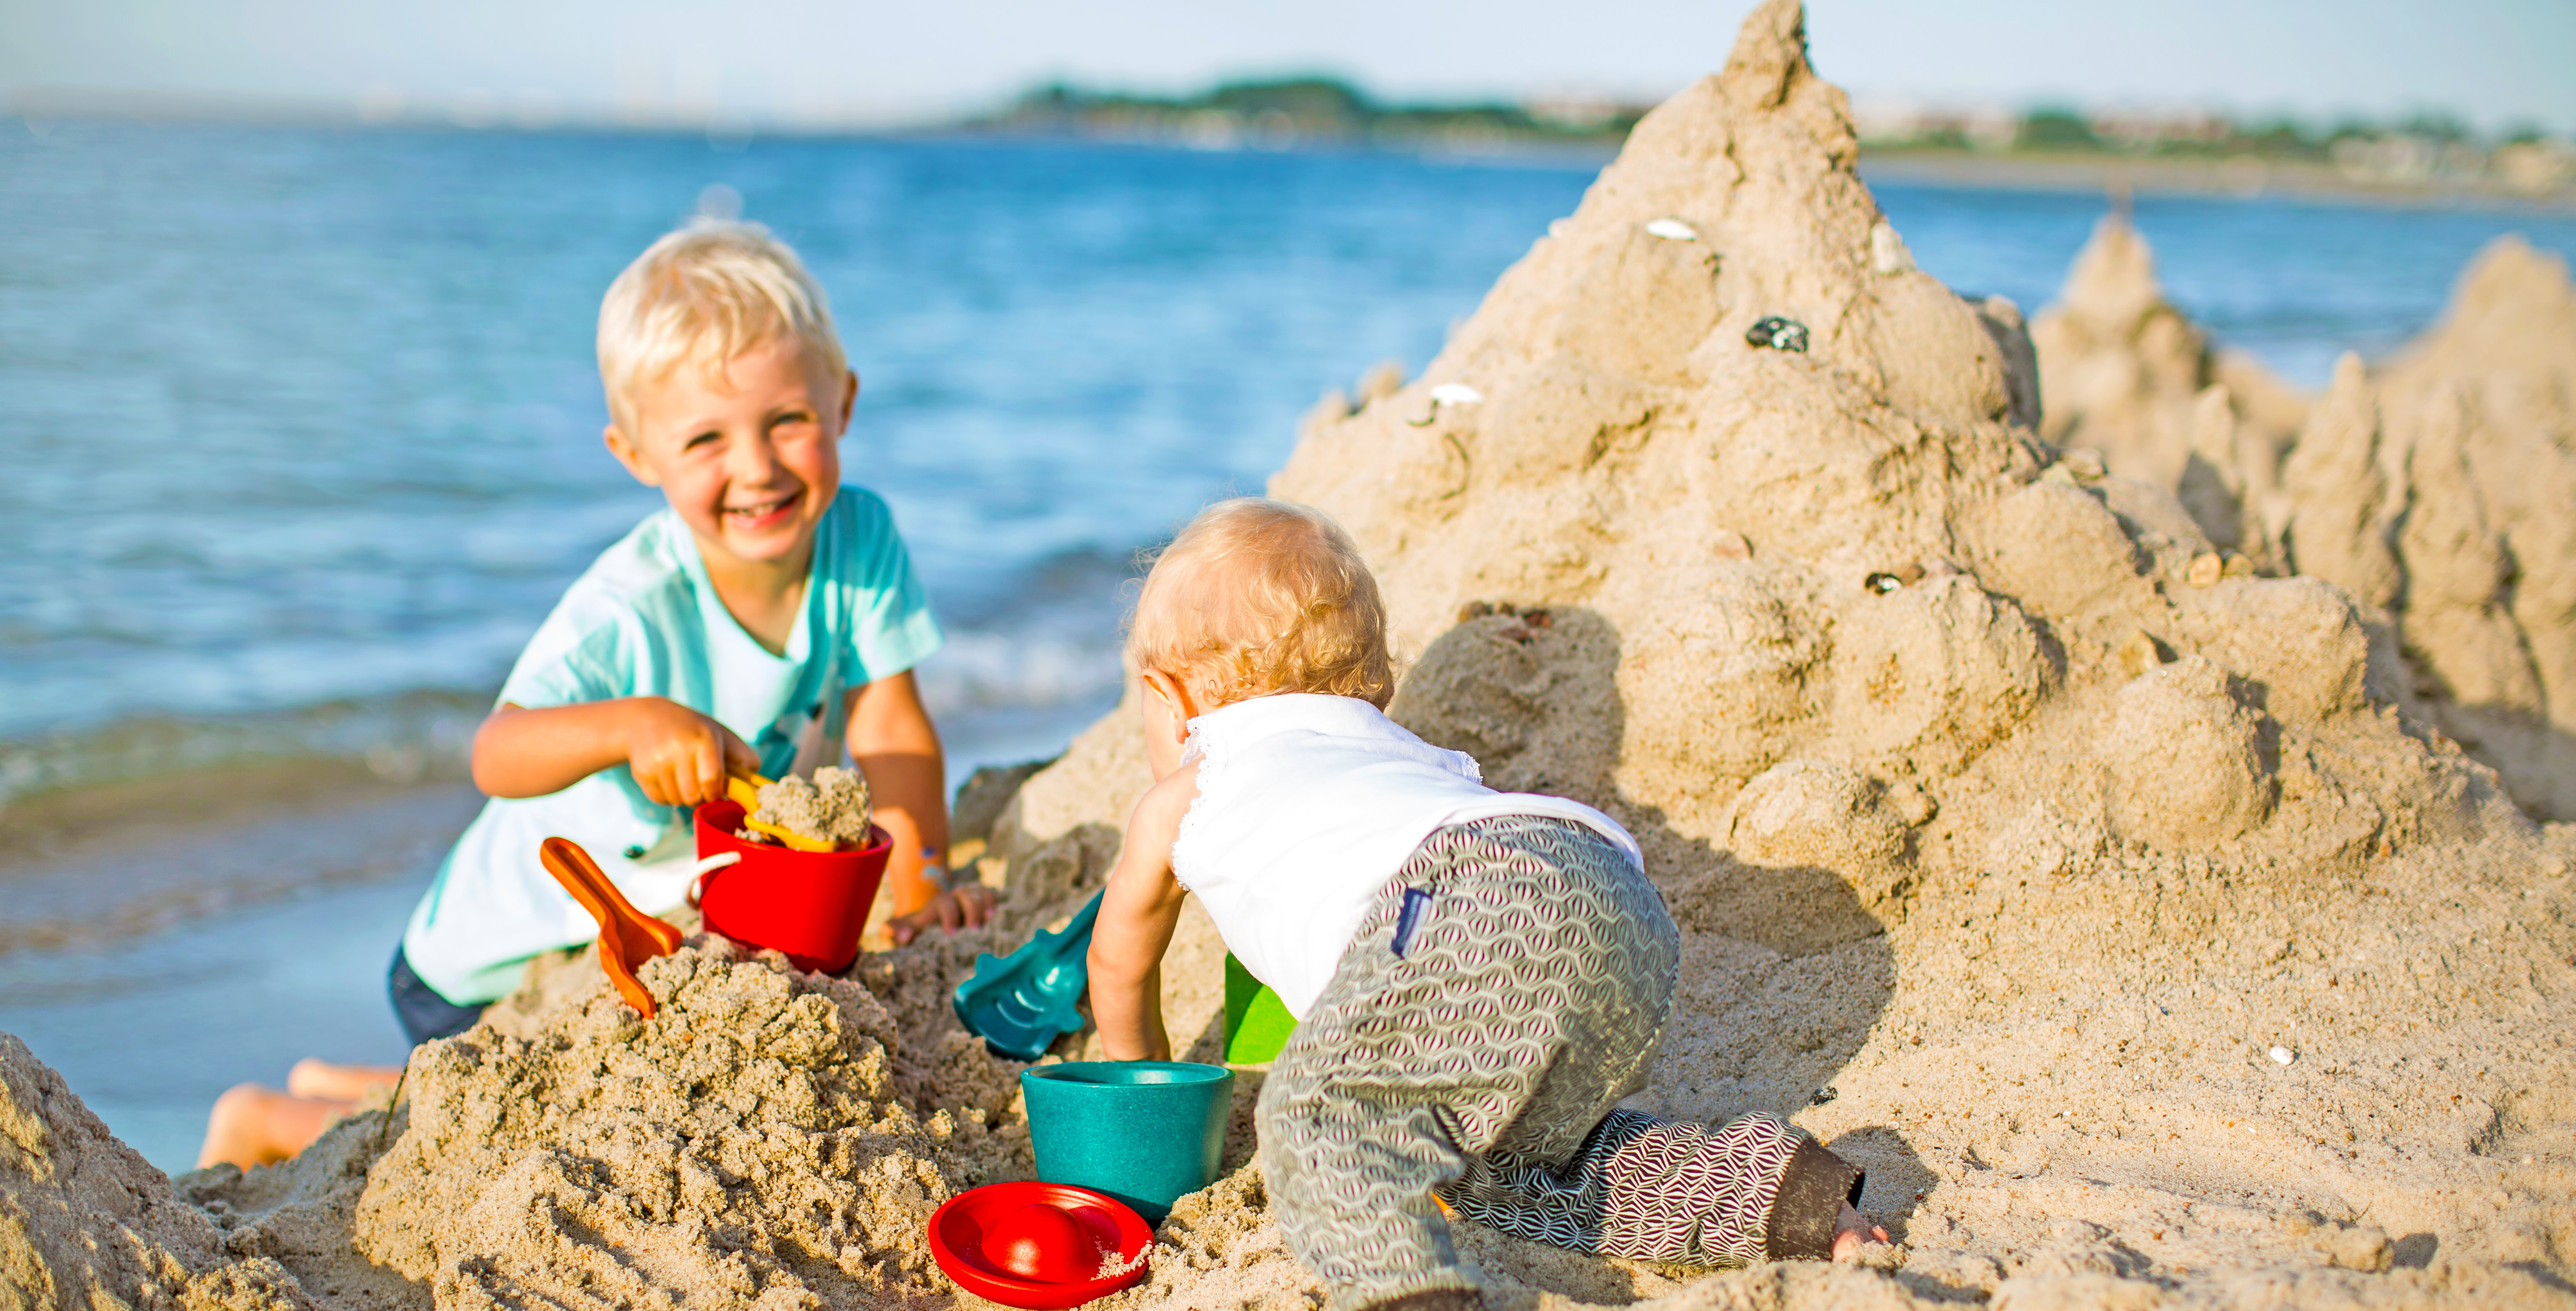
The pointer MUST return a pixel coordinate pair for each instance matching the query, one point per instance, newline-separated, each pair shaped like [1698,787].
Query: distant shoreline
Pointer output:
[2240,176]
[2243,177]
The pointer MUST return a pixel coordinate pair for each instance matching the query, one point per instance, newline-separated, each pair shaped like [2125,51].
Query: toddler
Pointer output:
[1479,978]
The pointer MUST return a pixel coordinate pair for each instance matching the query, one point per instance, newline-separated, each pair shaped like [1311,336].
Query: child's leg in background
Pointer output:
[1482,1060]
[251,1125]
[315,1077]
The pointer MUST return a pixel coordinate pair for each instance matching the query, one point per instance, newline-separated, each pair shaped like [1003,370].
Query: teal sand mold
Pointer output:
[1145,1132]
[1019,1003]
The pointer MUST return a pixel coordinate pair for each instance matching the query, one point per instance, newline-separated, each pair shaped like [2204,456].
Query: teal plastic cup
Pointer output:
[1144,1132]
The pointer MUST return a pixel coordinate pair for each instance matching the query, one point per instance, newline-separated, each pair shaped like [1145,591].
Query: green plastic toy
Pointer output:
[1257,1023]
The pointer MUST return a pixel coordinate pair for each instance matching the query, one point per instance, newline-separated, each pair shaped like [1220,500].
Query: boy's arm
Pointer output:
[1138,912]
[896,746]
[680,757]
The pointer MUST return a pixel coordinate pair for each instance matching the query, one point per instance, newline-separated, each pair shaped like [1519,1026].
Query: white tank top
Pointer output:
[1306,806]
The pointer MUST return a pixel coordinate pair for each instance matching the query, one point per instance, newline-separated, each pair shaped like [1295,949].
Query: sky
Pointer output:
[2495,63]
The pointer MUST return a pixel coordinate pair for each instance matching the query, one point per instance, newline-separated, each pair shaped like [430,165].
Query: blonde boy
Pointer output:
[1479,978]
[764,620]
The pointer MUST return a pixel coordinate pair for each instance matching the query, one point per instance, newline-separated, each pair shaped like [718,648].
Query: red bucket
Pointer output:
[811,905]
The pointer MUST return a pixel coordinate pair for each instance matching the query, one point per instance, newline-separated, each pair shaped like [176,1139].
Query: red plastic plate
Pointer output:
[957,1242]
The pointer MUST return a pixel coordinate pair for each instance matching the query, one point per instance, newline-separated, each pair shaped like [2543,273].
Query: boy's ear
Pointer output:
[627,454]
[849,397]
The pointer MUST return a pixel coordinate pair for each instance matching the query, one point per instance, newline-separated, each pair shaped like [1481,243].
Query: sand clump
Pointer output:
[2010,839]
[2189,765]
[831,807]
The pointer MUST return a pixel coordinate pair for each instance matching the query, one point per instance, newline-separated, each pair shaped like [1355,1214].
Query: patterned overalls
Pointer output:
[1504,993]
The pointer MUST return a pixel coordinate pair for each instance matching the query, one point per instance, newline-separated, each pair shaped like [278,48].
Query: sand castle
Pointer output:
[2125,374]
[2112,908]
[2433,490]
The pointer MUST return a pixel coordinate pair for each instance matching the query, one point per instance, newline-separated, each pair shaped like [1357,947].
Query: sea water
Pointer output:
[301,430]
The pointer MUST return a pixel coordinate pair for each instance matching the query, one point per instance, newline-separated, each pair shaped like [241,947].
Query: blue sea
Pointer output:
[301,431]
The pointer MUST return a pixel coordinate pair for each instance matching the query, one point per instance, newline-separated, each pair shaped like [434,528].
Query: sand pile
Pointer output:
[748,1145]
[2438,490]
[2432,489]
[2124,373]
[86,1223]
[768,1139]
[2107,907]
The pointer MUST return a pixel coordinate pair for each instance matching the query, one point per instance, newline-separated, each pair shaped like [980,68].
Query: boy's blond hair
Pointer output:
[704,295]
[1259,596]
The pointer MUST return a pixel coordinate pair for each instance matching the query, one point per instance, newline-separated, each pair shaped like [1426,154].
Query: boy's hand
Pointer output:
[965,907]
[681,757]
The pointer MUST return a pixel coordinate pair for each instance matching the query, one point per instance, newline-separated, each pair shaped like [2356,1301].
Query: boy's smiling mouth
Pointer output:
[768,512]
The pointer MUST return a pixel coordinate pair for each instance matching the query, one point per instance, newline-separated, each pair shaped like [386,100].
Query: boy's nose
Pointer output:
[752,460]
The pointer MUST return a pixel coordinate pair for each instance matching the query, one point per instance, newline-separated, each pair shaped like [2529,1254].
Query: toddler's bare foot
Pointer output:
[1852,1231]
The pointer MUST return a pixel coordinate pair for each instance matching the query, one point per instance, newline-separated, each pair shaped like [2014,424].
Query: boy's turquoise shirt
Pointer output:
[644,621]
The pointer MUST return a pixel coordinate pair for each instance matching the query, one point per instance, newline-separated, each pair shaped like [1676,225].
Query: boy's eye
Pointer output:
[702,439]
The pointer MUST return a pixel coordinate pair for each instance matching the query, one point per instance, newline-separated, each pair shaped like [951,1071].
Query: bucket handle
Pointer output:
[698,877]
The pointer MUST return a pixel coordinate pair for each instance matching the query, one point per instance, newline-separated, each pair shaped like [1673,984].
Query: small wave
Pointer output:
[1041,638]
[996,671]
[411,737]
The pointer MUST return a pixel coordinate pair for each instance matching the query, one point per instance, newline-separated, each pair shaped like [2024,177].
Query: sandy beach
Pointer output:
[2115,796]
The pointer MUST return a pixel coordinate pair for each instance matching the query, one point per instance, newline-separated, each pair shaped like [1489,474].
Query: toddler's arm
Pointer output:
[1137,914]
[680,757]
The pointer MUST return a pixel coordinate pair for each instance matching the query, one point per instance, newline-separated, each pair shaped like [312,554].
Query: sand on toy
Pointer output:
[832,807]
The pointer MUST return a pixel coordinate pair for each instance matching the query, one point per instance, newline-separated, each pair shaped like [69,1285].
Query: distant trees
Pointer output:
[1306,109]
[2429,147]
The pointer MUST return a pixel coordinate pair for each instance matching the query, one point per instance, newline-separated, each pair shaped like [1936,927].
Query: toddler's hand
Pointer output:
[681,757]
[959,907]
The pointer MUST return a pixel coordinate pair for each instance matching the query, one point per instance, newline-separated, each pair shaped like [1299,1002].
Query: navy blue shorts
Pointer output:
[422,1013]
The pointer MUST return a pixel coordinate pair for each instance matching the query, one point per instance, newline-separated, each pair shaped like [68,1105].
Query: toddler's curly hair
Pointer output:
[1258,596]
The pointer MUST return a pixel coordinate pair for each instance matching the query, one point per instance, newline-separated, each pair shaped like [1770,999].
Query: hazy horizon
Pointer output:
[804,64]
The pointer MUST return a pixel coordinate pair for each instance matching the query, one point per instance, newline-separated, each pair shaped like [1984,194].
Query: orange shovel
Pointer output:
[627,937]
